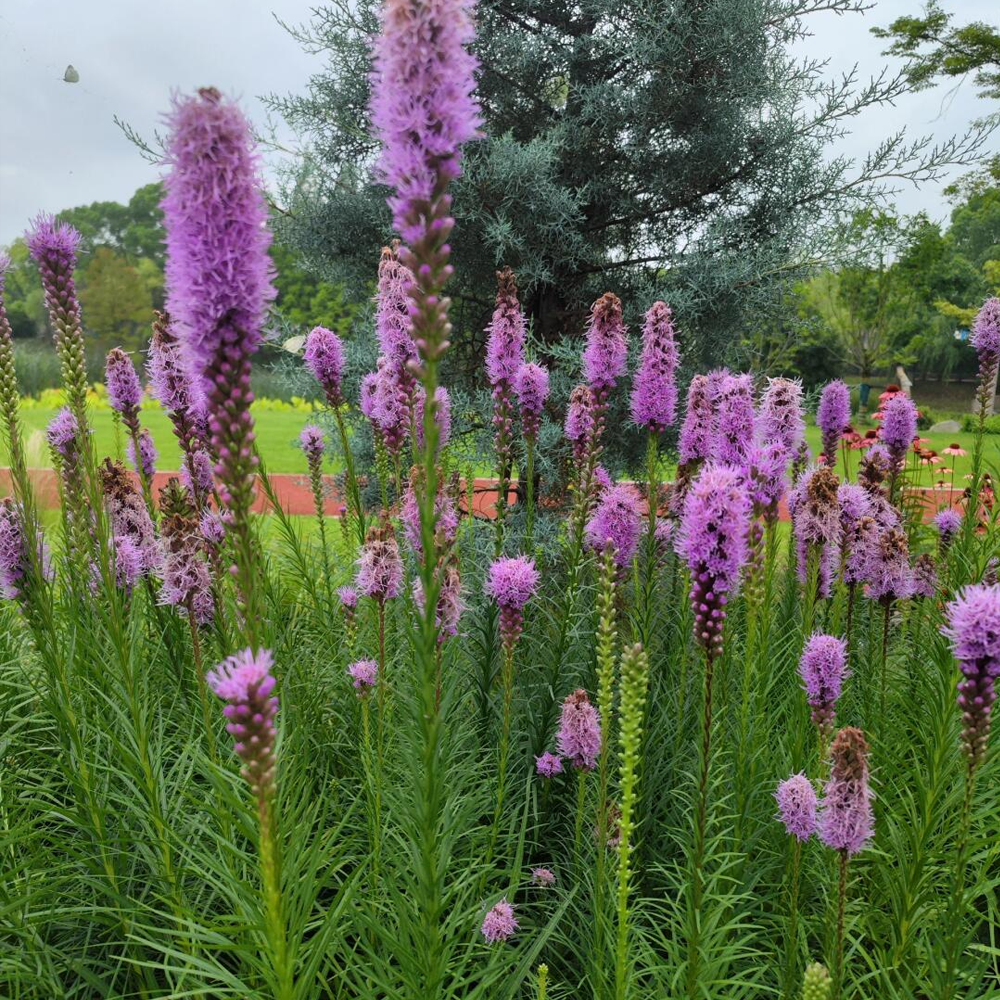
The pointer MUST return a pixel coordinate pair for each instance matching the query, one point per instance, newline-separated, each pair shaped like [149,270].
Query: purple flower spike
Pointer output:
[797,806]
[713,541]
[392,316]
[442,416]
[245,681]
[654,389]
[889,575]
[823,668]
[698,430]
[925,578]
[324,357]
[505,344]
[61,434]
[129,516]
[833,415]
[815,513]
[618,520]
[145,462]
[348,598]
[780,416]
[312,444]
[380,568]
[549,764]
[579,736]
[186,574]
[899,428]
[422,106]
[985,337]
[846,822]
[948,522]
[364,676]
[580,421]
[531,386]
[512,582]
[974,631]
[122,383]
[499,923]
[734,420]
[14,555]
[607,347]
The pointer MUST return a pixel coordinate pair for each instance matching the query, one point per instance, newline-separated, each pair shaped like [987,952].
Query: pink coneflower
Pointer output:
[954,449]
[617,519]
[833,415]
[512,582]
[796,800]
[654,389]
[846,822]
[364,676]
[499,923]
[823,667]
[548,765]
[579,736]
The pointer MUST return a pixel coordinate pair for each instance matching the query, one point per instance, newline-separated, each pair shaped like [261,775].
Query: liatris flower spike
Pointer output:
[780,415]
[129,515]
[823,667]
[817,523]
[817,984]
[948,523]
[974,631]
[899,427]
[734,419]
[122,383]
[442,416]
[311,440]
[544,877]
[606,352]
[531,386]
[832,416]
[985,337]
[846,822]
[511,583]
[364,676]
[925,579]
[580,421]
[796,799]
[145,462]
[499,923]
[579,736]
[548,765]
[348,598]
[392,315]
[14,554]
[618,520]
[505,343]
[380,567]
[245,681]
[654,388]
[698,430]
[324,357]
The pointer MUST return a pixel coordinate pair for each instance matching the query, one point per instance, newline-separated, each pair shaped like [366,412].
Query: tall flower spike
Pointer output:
[985,336]
[15,559]
[392,314]
[823,667]
[698,430]
[512,582]
[654,388]
[579,736]
[187,580]
[617,519]
[796,799]
[505,343]
[833,415]
[606,352]
[442,416]
[122,383]
[899,427]
[846,822]
[324,357]
[734,419]
[817,983]
[129,516]
[948,522]
[380,568]
[780,415]
[974,631]
[816,518]
[579,421]
[531,385]
[144,462]
[889,575]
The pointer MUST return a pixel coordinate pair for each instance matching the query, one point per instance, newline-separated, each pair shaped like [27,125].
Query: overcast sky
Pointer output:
[59,146]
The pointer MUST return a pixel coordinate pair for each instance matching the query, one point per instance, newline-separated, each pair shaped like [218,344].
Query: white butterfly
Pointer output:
[71,75]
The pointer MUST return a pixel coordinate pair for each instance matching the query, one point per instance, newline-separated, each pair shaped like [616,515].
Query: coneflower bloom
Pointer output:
[654,388]
[713,542]
[549,764]
[698,430]
[617,519]
[245,681]
[324,357]
[823,667]
[531,386]
[380,568]
[846,822]
[796,800]
[899,426]
[833,415]
[499,923]
[512,582]
[606,352]
[974,631]
[364,676]
[579,736]
[780,415]
[734,420]
[145,461]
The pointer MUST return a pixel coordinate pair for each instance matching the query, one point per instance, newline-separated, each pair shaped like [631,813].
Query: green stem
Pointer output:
[529,497]
[838,974]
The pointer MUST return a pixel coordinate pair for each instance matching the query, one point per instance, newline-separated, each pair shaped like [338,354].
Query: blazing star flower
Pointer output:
[713,541]
[543,877]
[450,605]
[186,575]
[388,409]
[197,473]
[734,420]
[846,822]
[14,557]
[364,676]
[823,667]
[172,385]
[245,681]
[212,525]
[948,523]
[833,415]
[145,461]
[579,736]
[348,597]
[61,434]
[446,526]
[924,576]
[618,520]
[899,425]
[974,632]
[505,342]
[512,582]
[780,415]
[392,314]
[312,444]
[816,519]
[889,575]
[763,472]
[796,799]
[606,352]
[531,386]
[442,415]
[380,568]
[698,430]
[122,383]
[985,337]
[580,420]
[324,357]
[654,388]
[549,765]
[499,923]
[129,516]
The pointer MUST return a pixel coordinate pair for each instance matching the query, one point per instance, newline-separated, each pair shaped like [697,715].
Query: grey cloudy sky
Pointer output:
[59,146]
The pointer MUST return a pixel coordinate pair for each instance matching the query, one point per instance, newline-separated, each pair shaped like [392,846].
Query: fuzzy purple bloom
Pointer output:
[505,343]
[713,542]
[763,471]
[531,386]
[734,420]
[213,525]
[364,676]
[698,430]
[816,521]
[61,434]
[446,514]
[389,408]
[549,764]
[422,106]
[122,383]
[185,572]
[442,415]
[348,597]
[780,415]
[392,314]
[796,799]
[544,877]
[925,578]
[889,575]
[499,923]
[618,520]
[948,521]
[449,604]
[14,555]
[145,462]
[985,336]
[974,631]
[899,428]
[833,415]
[579,735]
[606,352]
[324,357]
[380,568]
[512,582]
[654,388]
[846,822]
[579,419]
[129,516]
[312,443]
[245,681]
[202,481]
[823,667]
[169,378]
